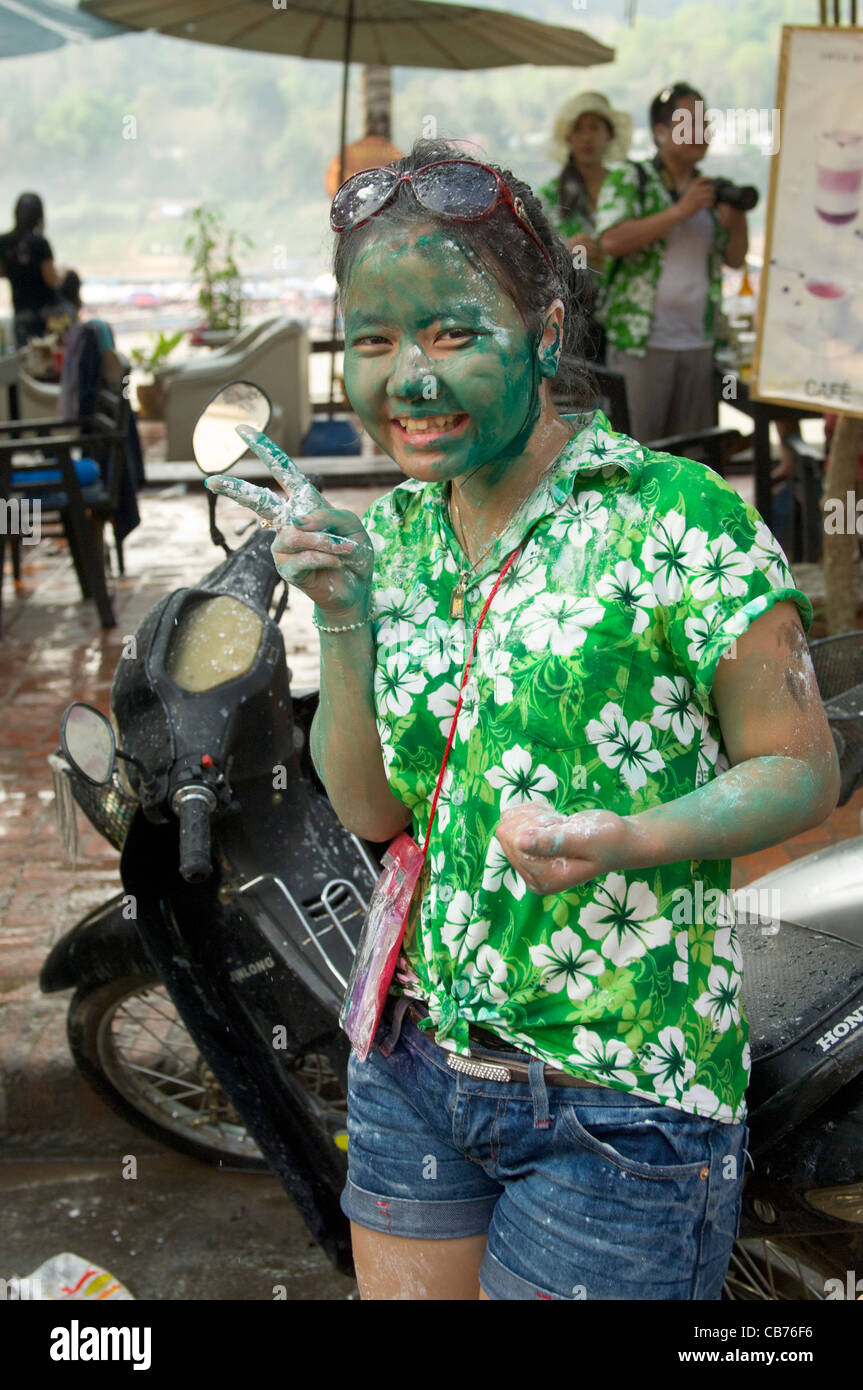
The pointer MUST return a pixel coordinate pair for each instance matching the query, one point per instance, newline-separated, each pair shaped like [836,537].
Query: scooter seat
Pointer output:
[803,997]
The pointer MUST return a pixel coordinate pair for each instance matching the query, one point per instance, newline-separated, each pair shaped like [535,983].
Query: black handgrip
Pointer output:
[194,806]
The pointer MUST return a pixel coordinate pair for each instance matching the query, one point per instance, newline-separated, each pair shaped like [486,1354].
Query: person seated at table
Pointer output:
[75,342]
[85,344]
[666,242]
[27,261]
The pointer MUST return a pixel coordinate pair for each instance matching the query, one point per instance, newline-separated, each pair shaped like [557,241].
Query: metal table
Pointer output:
[760,413]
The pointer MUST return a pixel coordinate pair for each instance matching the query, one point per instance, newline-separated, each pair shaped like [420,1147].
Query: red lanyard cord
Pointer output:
[465,674]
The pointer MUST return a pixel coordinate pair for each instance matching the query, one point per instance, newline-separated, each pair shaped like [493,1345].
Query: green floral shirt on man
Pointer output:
[628,290]
[590,688]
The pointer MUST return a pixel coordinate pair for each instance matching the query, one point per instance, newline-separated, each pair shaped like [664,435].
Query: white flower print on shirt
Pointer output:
[624,919]
[499,872]
[666,1060]
[580,518]
[627,585]
[623,745]
[708,625]
[461,931]
[524,580]
[700,1100]
[721,1000]
[768,556]
[487,975]
[493,657]
[726,944]
[607,1059]
[398,614]
[720,569]
[558,623]
[395,683]
[518,781]
[439,646]
[670,552]
[442,703]
[567,962]
[675,708]
[681,965]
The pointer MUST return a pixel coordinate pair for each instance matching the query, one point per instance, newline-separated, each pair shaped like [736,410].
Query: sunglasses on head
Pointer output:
[456,188]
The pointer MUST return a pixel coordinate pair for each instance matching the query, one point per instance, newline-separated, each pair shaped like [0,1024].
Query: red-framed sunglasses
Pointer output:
[457,188]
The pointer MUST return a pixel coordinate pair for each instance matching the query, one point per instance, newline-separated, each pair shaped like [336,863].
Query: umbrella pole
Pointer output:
[343,135]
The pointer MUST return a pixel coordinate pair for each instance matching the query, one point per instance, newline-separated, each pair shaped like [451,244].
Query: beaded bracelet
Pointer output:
[348,627]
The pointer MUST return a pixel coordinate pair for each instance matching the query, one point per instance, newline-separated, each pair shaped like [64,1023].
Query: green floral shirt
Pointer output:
[628,289]
[590,688]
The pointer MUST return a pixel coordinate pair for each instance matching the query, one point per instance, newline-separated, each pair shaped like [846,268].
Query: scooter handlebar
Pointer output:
[193,807]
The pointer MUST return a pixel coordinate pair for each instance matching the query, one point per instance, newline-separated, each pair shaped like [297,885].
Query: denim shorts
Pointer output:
[585,1192]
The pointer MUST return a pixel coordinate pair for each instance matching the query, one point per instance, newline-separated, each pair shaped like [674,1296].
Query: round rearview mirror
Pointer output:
[215,442]
[87,740]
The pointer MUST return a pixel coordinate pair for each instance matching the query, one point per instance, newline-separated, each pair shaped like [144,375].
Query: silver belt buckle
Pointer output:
[483,1071]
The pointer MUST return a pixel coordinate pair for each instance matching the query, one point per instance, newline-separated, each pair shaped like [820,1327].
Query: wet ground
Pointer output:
[179,1230]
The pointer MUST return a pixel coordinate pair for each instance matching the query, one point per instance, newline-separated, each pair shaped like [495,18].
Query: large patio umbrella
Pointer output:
[395,33]
[30,27]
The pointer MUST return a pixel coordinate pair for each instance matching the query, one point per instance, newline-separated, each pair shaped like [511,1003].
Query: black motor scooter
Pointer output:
[242,893]
[208,991]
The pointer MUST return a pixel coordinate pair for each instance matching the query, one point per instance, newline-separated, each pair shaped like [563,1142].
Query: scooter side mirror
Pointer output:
[88,743]
[215,442]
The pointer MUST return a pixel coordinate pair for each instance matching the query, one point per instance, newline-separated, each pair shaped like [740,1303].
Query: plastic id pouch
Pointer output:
[380,939]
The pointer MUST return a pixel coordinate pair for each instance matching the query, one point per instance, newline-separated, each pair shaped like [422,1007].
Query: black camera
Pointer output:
[743,197]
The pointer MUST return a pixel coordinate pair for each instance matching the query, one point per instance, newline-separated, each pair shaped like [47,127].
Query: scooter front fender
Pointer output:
[823,891]
[103,946]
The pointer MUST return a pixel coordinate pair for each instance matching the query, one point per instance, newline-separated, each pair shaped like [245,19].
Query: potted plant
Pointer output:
[220,292]
[147,360]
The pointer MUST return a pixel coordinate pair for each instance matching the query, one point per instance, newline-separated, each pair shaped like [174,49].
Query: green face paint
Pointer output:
[431,337]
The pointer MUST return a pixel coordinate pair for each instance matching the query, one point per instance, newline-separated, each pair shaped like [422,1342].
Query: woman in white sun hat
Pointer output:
[588,136]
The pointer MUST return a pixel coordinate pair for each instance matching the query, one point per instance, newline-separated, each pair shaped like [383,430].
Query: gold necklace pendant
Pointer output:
[456,603]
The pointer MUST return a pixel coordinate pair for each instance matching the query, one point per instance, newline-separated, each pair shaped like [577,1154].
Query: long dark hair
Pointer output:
[572,197]
[500,244]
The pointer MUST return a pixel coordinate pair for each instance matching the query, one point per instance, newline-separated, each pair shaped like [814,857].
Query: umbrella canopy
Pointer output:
[30,27]
[397,33]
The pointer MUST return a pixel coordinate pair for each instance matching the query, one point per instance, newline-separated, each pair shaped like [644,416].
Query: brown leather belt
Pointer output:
[483,1063]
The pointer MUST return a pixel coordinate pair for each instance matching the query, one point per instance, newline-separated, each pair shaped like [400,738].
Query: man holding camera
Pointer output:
[666,235]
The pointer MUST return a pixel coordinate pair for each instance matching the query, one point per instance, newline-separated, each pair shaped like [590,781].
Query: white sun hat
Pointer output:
[596,104]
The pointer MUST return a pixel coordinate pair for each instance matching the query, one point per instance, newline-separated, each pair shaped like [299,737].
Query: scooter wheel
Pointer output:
[132,1048]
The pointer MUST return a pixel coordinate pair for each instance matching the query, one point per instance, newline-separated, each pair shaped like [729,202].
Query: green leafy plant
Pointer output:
[221,293]
[148,359]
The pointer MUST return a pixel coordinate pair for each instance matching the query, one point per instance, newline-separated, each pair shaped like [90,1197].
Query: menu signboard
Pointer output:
[809,346]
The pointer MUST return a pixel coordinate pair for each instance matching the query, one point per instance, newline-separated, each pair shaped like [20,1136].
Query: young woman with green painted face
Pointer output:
[603,739]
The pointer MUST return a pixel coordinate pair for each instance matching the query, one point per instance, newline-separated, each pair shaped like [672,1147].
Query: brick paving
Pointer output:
[53,651]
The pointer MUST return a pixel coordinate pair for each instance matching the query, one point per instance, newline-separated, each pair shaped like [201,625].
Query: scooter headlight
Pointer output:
[215,641]
[845,1203]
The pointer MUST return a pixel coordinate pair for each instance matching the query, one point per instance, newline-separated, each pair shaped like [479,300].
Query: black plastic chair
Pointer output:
[704,446]
[82,511]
